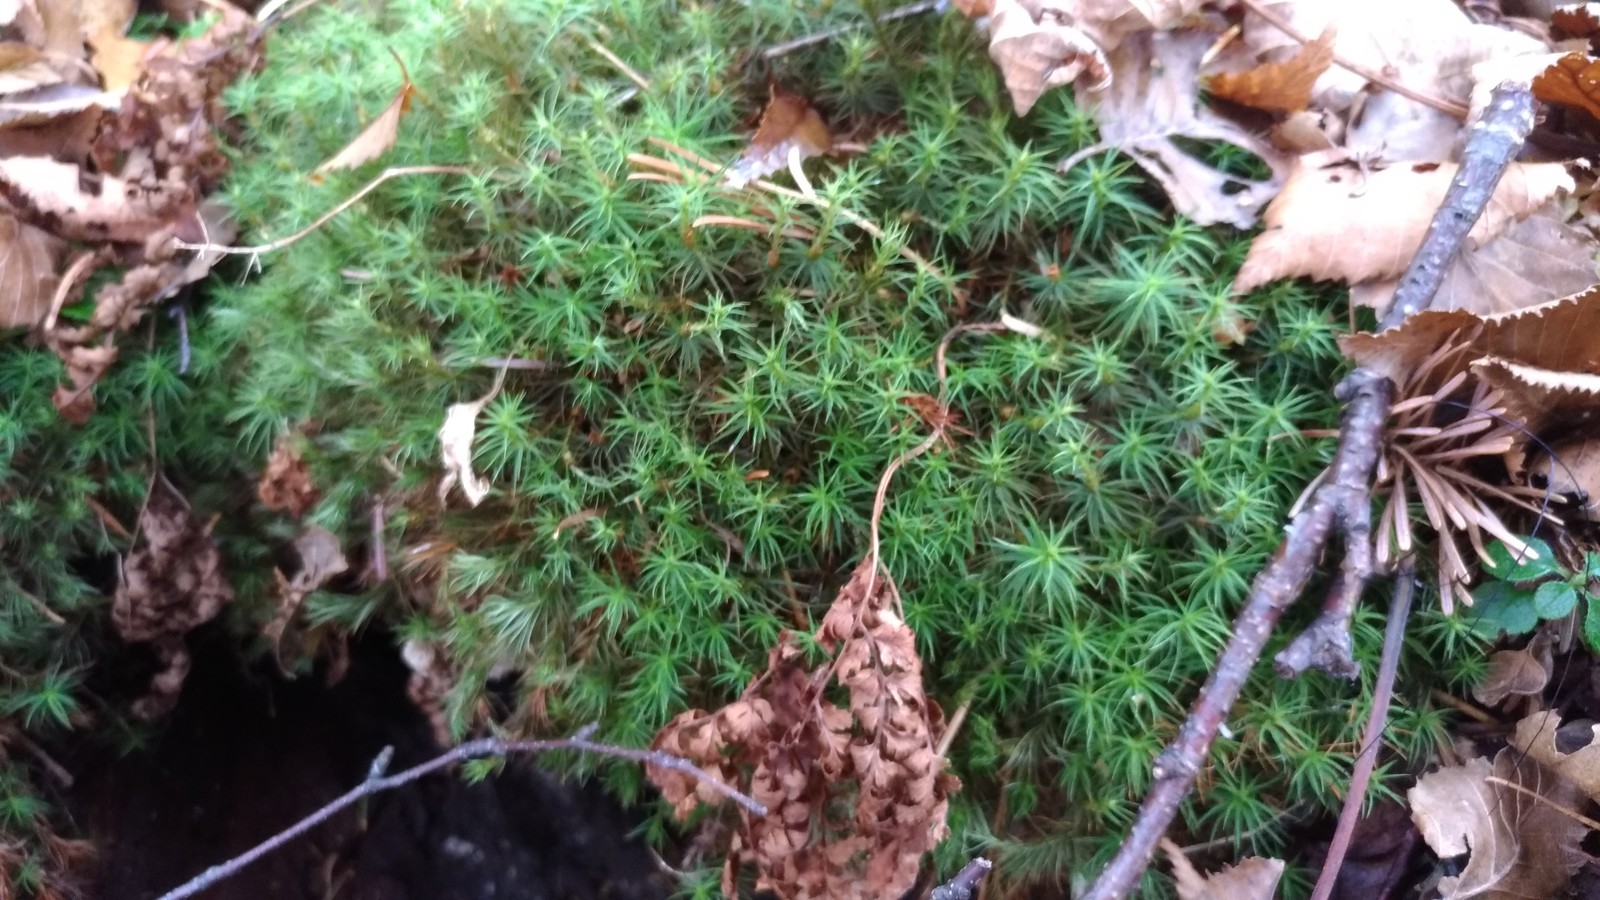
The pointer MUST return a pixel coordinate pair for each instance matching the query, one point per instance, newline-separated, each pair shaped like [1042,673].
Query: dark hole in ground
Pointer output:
[246,754]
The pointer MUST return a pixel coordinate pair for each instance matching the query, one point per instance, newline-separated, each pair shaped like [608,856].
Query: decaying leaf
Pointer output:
[789,125]
[1573,80]
[286,482]
[1519,846]
[29,260]
[455,447]
[1154,99]
[321,559]
[110,209]
[1383,36]
[1571,750]
[1252,878]
[1522,672]
[429,684]
[1537,259]
[171,582]
[1039,47]
[854,796]
[1570,470]
[1278,86]
[379,135]
[1325,201]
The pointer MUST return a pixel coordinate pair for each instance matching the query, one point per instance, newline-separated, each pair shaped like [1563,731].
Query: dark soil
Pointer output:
[246,754]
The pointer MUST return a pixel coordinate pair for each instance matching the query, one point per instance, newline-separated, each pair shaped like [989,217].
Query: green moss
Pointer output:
[694,471]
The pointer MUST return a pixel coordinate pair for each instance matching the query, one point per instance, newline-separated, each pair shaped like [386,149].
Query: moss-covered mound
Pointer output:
[683,461]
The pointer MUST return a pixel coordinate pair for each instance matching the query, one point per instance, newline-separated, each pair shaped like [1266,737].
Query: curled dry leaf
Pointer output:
[1519,845]
[286,482]
[1043,46]
[80,206]
[379,135]
[171,582]
[1325,201]
[854,796]
[321,559]
[455,447]
[29,260]
[789,124]
[1253,878]
[1522,672]
[1283,87]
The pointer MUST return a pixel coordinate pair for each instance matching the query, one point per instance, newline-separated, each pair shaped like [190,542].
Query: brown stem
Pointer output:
[1382,692]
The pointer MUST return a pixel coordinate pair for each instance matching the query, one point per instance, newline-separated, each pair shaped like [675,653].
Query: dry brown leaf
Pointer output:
[75,399]
[1148,105]
[1574,22]
[1043,46]
[171,582]
[286,482]
[1252,878]
[1522,672]
[1571,751]
[81,206]
[379,135]
[1520,847]
[1573,80]
[1313,224]
[789,124]
[321,559]
[1570,469]
[455,447]
[855,797]
[118,59]
[29,260]
[1383,36]
[1283,87]
[1535,260]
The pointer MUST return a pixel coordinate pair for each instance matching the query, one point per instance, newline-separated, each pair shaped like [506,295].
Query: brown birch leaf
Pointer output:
[379,135]
[30,259]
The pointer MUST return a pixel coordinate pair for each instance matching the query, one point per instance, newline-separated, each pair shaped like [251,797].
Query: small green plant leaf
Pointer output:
[1591,565]
[1499,606]
[1554,599]
[1591,622]
[1508,566]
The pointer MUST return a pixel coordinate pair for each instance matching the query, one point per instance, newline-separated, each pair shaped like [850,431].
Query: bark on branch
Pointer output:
[1341,503]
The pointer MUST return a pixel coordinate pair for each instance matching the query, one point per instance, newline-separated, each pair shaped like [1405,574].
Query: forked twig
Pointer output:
[1342,502]
[377,782]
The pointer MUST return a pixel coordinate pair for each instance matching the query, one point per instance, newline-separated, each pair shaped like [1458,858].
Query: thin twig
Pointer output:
[1342,501]
[377,782]
[1394,636]
[787,47]
[348,202]
[1443,104]
[965,884]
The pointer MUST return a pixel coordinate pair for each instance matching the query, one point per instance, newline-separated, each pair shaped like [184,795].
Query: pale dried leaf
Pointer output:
[1310,222]
[1570,469]
[1538,736]
[108,208]
[1043,46]
[321,559]
[1522,672]
[1149,103]
[1383,36]
[1253,878]
[379,135]
[1531,262]
[1520,847]
[29,261]
[455,447]
[789,125]
[118,59]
